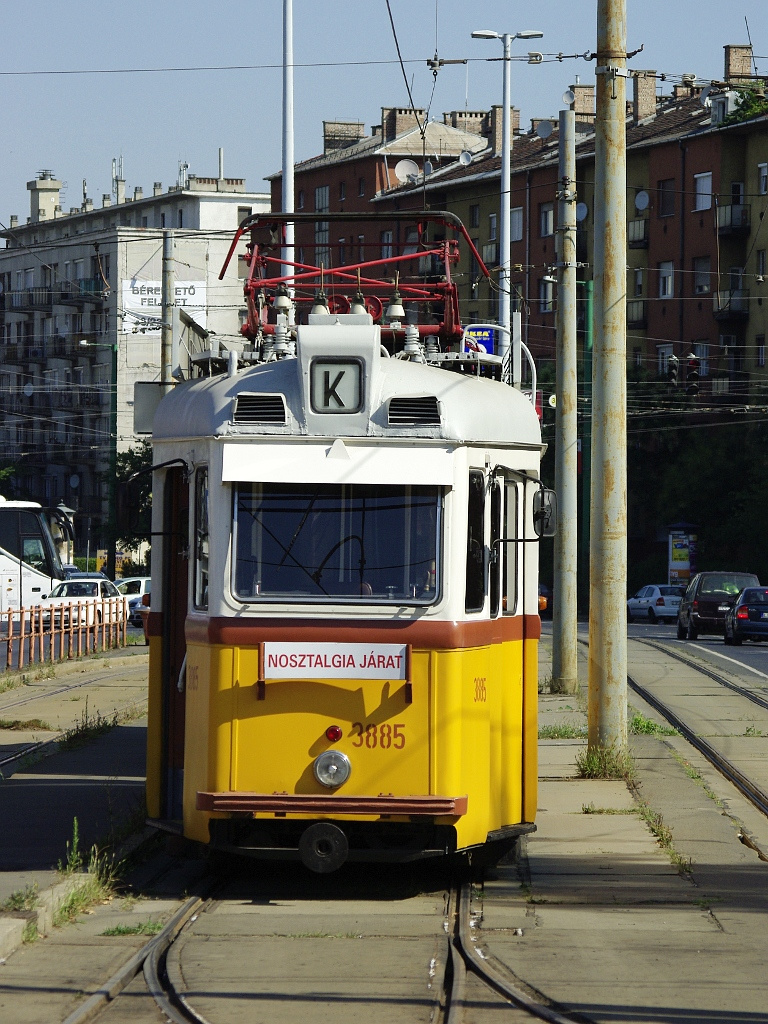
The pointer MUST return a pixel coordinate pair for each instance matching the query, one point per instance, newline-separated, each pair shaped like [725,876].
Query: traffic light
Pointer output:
[692,377]
[673,368]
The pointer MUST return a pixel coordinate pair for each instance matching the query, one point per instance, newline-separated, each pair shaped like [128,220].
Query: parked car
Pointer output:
[655,601]
[134,588]
[707,599]
[81,599]
[747,617]
[144,616]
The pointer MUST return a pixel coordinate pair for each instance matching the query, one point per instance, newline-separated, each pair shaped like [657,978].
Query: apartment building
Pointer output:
[80,325]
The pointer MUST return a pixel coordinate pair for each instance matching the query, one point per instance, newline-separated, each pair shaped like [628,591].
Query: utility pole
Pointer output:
[167,299]
[288,174]
[607,706]
[586,444]
[564,620]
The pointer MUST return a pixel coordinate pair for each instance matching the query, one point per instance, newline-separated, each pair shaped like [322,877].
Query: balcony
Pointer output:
[28,299]
[732,305]
[75,293]
[636,314]
[733,219]
[637,233]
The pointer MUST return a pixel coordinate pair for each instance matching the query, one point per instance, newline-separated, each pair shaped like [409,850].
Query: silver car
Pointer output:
[655,601]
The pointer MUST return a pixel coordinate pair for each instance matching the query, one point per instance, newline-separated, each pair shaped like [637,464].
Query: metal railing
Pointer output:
[50,632]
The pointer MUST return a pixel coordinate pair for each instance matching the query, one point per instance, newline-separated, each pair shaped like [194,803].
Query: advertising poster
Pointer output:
[143,304]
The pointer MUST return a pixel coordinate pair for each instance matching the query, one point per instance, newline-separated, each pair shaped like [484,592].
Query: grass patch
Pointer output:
[639,725]
[145,928]
[606,763]
[324,935]
[545,684]
[752,731]
[23,899]
[30,933]
[696,777]
[663,835]
[89,728]
[591,809]
[562,731]
[25,725]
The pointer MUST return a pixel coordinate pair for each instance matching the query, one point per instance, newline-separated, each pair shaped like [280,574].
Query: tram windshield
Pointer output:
[361,542]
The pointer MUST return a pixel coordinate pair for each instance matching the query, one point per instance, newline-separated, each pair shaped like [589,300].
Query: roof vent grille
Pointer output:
[424,411]
[259,409]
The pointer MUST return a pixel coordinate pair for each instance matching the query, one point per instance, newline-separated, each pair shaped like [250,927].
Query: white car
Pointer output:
[655,601]
[84,600]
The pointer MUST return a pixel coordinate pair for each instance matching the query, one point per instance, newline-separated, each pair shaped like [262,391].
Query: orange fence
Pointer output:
[53,632]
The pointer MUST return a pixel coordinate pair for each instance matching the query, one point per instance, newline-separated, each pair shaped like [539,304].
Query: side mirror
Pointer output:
[545,512]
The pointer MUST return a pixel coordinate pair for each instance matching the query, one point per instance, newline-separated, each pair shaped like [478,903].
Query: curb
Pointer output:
[13,924]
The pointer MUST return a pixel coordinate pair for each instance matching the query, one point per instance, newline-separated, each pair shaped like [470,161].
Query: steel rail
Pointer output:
[488,969]
[756,796]
[710,672]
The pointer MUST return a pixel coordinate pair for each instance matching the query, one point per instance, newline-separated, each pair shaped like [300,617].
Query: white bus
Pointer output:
[31,540]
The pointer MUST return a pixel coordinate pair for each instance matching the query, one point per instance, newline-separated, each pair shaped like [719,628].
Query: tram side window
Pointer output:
[497,548]
[201,537]
[474,594]
[509,578]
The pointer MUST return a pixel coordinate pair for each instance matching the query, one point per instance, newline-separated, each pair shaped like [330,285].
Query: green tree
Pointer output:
[134,495]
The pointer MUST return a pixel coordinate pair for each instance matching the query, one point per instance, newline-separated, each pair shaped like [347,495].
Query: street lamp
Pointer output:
[111,520]
[504,234]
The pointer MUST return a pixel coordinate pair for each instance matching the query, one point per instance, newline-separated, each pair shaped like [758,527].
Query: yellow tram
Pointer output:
[344,620]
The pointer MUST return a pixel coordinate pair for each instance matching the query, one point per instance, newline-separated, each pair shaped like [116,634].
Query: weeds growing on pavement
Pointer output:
[145,928]
[25,725]
[696,777]
[591,809]
[606,763]
[98,886]
[30,933]
[562,731]
[88,728]
[23,899]
[663,836]
[74,861]
[545,684]
[751,730]
[639,725]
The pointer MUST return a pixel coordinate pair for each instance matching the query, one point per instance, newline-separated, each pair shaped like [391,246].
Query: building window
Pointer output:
[361,186]
[546,219]
[546,292]
[300,200]
[666,279]
[179,218]
[474,215]
[361,248]
[667,197]
[761,263]
[703,187]
[342,191]
[162,220]
[762,179]
[701,276]
[760,343]
[322,199]
[638,356]
[638,279]
[516,224]
[701,351]
[492,227]
[322,236]
[663,352]
[386,245]
[342,250]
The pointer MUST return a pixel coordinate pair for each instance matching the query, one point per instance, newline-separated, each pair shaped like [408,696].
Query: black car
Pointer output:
[707,599]
[747,618]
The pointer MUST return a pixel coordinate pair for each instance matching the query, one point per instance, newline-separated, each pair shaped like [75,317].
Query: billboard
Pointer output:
[143,303]
[682,556]
[482,337]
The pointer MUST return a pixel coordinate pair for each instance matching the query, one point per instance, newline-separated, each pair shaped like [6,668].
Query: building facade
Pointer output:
[80,316]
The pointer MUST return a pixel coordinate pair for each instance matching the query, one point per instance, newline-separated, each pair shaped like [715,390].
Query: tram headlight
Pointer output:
[332,768]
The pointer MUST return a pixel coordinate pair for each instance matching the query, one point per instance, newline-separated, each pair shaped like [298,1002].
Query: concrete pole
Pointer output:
[586,446]
[288,159]
[168,302]
[607,706]
[564,621]
[505,251]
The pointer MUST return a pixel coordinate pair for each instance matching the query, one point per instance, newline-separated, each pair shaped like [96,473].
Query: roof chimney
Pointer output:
[495,127]
[157,188]
[738,64]
[644,95]
[120,190]
[106,199]
[138,193]
[14,221]
[44,195]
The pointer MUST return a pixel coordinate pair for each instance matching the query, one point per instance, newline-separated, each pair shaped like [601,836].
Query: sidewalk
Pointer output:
[608,926]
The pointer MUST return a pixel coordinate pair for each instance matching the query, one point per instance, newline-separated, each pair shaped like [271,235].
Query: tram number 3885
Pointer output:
[384,735]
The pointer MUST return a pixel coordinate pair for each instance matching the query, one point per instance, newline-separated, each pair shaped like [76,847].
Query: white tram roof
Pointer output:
[340,386]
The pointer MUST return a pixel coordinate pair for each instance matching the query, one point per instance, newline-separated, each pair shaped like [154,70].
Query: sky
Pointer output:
[108,104]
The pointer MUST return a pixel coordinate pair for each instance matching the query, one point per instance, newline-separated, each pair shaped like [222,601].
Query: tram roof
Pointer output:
[271,400]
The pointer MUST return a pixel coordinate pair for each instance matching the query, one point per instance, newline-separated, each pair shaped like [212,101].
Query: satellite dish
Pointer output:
[641,200]
[569,97]
[704,97]
[405,169]
[427,167]
[465,158]
[544,129]
[582,210]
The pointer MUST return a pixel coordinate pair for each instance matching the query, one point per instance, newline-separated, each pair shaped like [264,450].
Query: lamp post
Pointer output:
[111,520]
[504,232]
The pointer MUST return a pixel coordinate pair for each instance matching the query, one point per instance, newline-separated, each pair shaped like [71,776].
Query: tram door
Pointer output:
[175,578]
